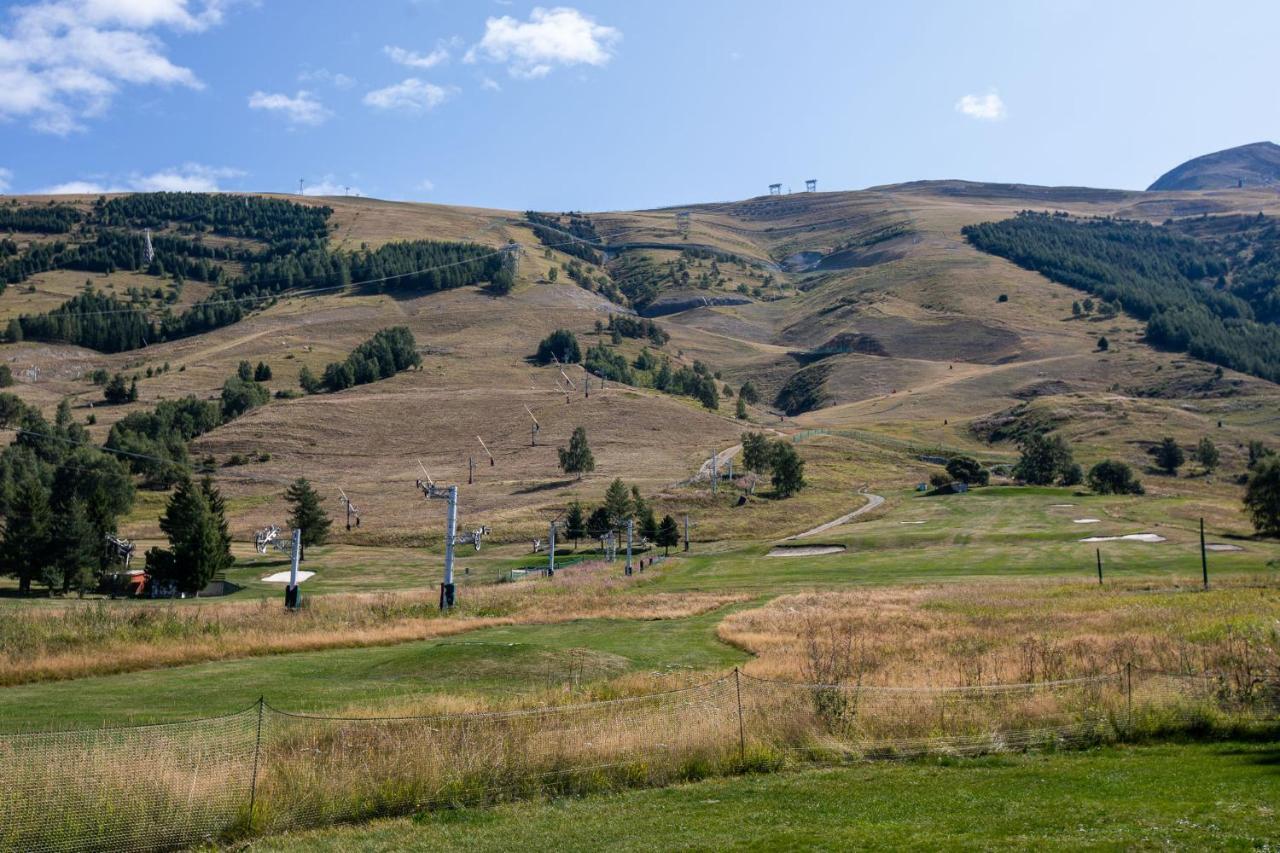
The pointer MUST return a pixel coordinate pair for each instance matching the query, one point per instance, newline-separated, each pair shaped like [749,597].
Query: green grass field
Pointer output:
[1181,796]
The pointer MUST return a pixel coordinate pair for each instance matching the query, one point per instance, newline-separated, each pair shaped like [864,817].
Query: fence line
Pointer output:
[263,769]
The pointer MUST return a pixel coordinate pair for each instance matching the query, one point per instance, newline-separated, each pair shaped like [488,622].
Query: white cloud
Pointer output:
[189,177]
[328,185]
[6,177]
[988,107]
[302,108]
[426,185]
[323,75]
[551,37]
[410,59]
[489,84]
[411,95]
[62,62]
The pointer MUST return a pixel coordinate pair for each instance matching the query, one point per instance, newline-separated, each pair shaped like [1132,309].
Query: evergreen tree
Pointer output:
[240,396]
[788,469]
[575,523]
[1207,455]
[1262,497]
[245,371]
[741,412]
[1169,455]
[749,392]
[1103,344]
[75,546]
[117,392]
[26,547]
[307,513]
[308,381]
[262,372]
[598,523]
[195,523]
[618,505]
[966,469]
[577,459]
[668,534]
[560,345]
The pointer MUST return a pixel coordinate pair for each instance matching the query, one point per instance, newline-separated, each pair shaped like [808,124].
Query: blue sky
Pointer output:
[598,105]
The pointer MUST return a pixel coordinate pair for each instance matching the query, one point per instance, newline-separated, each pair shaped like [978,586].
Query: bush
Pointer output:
[239,396]
[1109,477]
[966,469]
[562,344]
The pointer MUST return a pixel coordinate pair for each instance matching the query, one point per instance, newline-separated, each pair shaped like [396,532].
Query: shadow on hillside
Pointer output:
[544,487]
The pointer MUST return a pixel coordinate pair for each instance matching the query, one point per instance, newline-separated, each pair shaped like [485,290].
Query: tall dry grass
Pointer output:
[1013,632]
[101,638]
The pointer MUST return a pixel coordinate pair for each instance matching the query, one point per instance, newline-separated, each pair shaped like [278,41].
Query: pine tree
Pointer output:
[1262,497]
[75,546]
[262,372]
[741,412]
[194,521]
[618,505]
[1169,455]
[26,545]
[307,513]
[668,534]
[575,523]
[245,371]
[577,459]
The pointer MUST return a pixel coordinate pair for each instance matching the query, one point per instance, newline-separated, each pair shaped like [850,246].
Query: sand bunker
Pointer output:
[806,551]
[911,522]
[283,577]
[1086,520]
[1128,537]
[1222,546]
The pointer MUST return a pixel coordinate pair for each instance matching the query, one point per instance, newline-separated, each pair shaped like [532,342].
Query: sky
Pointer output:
[609,104]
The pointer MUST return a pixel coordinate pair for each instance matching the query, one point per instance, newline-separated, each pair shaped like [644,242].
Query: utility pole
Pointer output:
[471,470]
[631,526]
[1099,567]
[686,531]
[551,551]
[292,598]
[1204,555]
[302,182]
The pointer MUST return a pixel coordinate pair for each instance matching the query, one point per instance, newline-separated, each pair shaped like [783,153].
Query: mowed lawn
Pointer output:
[498,663]
[1182,796]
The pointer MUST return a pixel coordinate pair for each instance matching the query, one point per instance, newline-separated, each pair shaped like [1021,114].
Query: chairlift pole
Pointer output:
[551,551]
[686,531]
[631,526]
[292,597]
[1204,555]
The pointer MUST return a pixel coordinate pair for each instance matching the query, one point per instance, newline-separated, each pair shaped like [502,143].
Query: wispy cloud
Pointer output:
[189,177]
[409,59]
[988,107]
[411,96]
[6,178]
[324,75]
[62,62]
[550,38]
[302,108]
[489,84]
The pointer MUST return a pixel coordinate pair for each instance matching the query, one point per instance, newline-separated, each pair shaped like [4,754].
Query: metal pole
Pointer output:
[551,551]
[1099,567]
[471,470]
[715,475]
[686,531]
[451,530]
[1204,556]
[292,598]
[631,525]
[1128,693]
[348,515]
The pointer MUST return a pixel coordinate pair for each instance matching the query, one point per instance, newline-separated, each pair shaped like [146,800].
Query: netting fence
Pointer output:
[265,770]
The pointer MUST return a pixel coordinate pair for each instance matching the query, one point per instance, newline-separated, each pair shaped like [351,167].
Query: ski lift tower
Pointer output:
[448,591]
[775,189]
[811,185]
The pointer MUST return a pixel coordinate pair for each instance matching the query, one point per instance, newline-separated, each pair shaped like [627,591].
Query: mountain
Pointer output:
[1243,166]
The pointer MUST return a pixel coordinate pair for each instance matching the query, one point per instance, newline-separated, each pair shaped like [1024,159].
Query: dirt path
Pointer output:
[873,501]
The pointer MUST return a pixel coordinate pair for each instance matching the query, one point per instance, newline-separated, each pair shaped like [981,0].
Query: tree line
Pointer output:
[384,355]
[1175,282]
